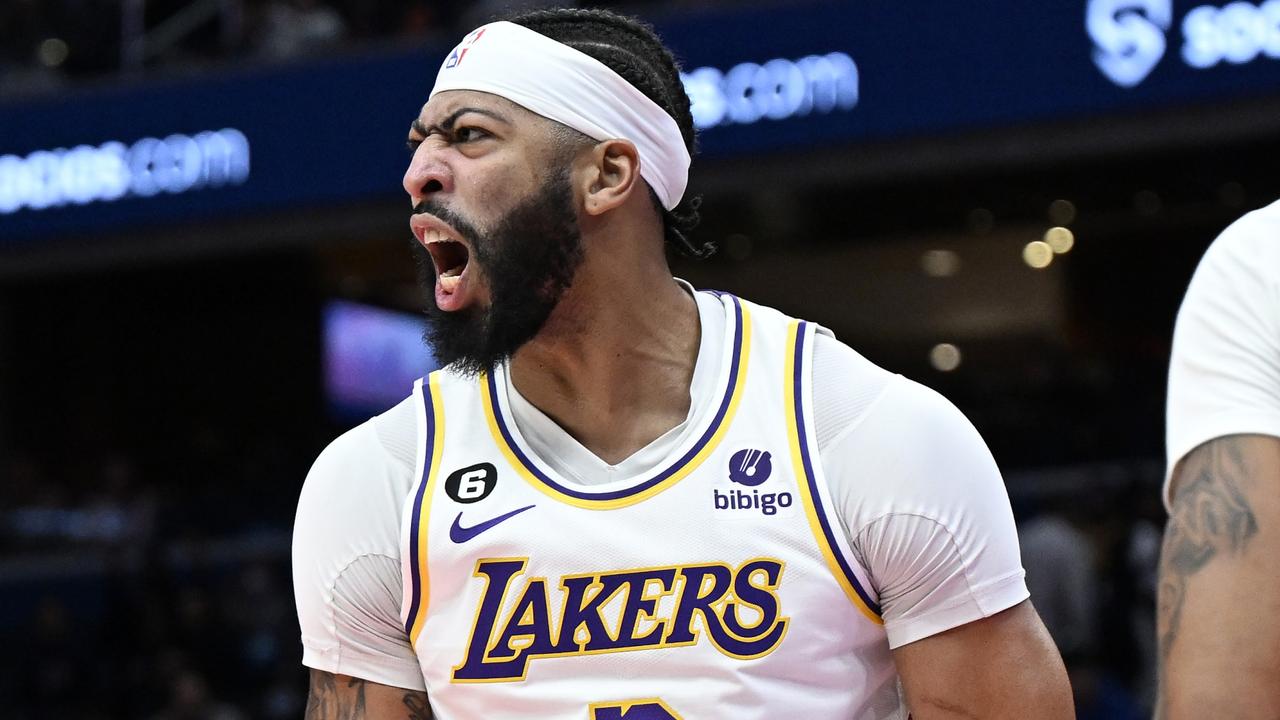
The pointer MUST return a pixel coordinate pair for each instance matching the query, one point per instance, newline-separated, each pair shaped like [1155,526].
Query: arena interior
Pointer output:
[205,276]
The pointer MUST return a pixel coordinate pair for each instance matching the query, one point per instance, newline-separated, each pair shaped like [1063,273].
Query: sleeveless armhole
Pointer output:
[828,533]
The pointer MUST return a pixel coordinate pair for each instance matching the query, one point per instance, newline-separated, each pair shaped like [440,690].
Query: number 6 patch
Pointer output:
[471,484]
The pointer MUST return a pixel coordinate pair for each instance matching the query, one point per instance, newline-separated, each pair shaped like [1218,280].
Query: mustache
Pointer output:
[453,219]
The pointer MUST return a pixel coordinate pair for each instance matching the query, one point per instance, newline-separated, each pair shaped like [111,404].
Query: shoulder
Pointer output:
[911,451]
[917,430]
[1245,255]
[925,511]
[386,440]
[1252,236]
[357,485]
[850,391]
[1224,372]
[846,386]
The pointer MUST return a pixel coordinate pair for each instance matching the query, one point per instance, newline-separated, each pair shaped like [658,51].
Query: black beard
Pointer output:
[529,259]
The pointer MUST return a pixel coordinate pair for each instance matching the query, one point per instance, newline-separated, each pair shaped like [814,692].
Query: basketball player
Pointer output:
[1219,599]
[624,499]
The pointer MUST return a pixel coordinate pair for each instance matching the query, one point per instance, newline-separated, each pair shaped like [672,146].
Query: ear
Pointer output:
[613,173]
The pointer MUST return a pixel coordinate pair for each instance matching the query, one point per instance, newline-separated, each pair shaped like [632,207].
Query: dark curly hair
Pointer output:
[632,49]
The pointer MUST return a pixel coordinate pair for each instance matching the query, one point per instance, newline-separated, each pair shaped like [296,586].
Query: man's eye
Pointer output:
[469,134]
[412,145]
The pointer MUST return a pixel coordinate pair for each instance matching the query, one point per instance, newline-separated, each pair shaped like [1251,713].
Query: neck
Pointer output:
[614,363]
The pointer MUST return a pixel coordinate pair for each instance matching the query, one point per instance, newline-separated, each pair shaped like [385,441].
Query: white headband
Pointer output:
[562,84]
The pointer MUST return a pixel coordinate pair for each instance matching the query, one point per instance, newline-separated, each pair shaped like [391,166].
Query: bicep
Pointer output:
[342,697]
[1220,581]
[992,668]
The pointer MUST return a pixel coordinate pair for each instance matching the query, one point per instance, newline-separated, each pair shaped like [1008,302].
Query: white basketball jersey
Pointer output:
[719,585]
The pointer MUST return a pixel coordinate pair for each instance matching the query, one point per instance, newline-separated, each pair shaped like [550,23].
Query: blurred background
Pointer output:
[204,278]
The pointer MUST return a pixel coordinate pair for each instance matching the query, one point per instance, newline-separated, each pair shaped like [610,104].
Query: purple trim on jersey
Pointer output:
[812,479]
[734,368]
[415,575]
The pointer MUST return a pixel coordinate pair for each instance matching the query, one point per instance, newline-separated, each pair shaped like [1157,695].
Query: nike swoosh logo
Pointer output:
[460,534]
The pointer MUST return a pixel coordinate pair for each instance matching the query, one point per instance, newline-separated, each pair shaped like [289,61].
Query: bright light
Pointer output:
[944,357]
[1060,239]
[940,263]
[1038,254]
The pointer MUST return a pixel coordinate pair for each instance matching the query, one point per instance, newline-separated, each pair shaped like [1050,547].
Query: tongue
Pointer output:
[448,297]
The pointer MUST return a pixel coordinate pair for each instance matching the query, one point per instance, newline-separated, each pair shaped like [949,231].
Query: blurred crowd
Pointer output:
[126,596]
[1090,539]
[45,44]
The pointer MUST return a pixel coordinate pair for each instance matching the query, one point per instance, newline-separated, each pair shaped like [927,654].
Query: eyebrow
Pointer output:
[447,124]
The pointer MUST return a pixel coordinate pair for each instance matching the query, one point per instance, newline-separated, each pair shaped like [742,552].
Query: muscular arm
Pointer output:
[1001,667]
[1219,601]
[341,697]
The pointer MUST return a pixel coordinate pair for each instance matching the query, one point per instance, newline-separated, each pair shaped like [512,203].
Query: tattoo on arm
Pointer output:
[418,707]
[326,702]
[334,698]
[1211,515]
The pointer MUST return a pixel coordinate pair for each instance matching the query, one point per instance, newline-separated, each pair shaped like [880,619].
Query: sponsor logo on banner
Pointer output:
[1131,37]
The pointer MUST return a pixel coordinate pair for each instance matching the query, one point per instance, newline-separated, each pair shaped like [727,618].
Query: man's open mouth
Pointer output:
[449,257]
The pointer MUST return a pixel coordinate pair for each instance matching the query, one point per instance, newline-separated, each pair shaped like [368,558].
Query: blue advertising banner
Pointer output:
[303,135]
[762,80]
[844,71]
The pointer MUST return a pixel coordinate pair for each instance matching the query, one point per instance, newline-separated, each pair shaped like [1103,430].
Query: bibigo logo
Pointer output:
[750,468]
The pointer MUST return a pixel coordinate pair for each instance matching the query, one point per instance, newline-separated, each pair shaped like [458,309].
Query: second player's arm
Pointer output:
[341,697]
[1004,667]
[1219,601]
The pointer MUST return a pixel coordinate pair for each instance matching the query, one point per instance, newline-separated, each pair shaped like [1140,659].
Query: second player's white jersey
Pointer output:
[718,585]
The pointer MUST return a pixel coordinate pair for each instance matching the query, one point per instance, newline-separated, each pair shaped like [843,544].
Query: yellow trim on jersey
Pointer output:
[424,513]
[677,476]
[802,480]
[625,706]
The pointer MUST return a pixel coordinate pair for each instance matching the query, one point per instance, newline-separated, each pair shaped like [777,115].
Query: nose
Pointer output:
[427,175]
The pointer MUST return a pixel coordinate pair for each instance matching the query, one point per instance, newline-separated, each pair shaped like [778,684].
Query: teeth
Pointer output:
[452,272]
[449,283]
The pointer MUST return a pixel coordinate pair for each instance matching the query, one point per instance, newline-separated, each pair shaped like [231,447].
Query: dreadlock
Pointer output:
[630,48]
